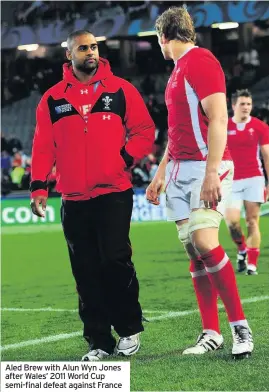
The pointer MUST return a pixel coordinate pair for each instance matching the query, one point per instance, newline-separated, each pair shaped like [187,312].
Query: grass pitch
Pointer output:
[37,279]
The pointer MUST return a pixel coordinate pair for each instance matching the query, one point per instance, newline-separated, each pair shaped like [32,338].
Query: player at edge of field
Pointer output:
[198,170]
[247,138]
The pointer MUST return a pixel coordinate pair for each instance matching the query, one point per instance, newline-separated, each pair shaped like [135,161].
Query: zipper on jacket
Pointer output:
[86,152]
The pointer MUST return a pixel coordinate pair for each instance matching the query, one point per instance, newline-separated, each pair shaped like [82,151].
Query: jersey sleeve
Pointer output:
[263,133]
[205,75]
[139,124]
[43,151]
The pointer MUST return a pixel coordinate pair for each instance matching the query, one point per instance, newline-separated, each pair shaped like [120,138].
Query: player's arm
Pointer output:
[264,148]
[140,126]
[265,156]
[208,81]
[215,109]
[157,184]
[164,160]
[43,158]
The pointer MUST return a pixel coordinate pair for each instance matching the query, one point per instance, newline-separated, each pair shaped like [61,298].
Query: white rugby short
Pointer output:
[247,189]
[184,180]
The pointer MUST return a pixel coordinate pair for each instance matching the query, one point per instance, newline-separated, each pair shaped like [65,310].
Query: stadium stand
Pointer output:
[26,76]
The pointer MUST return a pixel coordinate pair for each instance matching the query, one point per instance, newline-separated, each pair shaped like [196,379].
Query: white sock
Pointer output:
[211,332]
[252,267]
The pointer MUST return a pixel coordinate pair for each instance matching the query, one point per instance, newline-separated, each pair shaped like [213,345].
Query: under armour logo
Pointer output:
[107,101]
[106,117]
[84,91]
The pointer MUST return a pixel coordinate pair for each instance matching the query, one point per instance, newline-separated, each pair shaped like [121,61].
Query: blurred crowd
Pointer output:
[16,167]
[22,74]
[16,164]
[39,12]
[243,72]
[40,74]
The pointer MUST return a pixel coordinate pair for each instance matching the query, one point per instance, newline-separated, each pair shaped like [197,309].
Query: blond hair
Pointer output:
[176,24]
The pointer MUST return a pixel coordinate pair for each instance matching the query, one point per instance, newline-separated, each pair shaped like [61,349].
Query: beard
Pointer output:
[87,68]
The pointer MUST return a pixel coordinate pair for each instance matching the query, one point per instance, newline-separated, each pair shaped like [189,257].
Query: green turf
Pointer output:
[36,274]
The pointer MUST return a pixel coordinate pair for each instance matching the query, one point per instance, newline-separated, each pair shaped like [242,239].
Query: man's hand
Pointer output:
[211,190]
[156,186]
[35,205]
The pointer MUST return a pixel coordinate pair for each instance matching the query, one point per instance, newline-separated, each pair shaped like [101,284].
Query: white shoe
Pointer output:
[251,343]
[252,270]
[242,342]
[128,346]
[205,342]
[95,355]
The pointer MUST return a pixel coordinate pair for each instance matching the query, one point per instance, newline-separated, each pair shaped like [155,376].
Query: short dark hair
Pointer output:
[75,34]
[240,93]
[176,23]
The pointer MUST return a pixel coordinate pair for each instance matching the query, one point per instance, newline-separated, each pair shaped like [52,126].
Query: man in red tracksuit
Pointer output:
[95,126]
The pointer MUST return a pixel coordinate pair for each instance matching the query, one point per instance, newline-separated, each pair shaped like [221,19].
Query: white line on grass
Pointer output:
[47,339]
[188,312]
[31,229]
[49,227]
[62,336]
[29,310]
[156,311]
[37,310]
[41,227]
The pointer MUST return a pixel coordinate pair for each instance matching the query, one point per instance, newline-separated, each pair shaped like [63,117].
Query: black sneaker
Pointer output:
[241,262]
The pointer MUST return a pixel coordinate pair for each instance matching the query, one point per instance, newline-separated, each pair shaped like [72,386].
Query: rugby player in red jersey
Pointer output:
[247,138]
[198,171]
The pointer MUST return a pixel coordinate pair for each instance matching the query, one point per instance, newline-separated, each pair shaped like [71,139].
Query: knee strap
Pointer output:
[183,234]
[202,219]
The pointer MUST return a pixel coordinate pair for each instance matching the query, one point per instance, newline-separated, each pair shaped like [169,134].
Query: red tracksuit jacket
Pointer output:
[94,132]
